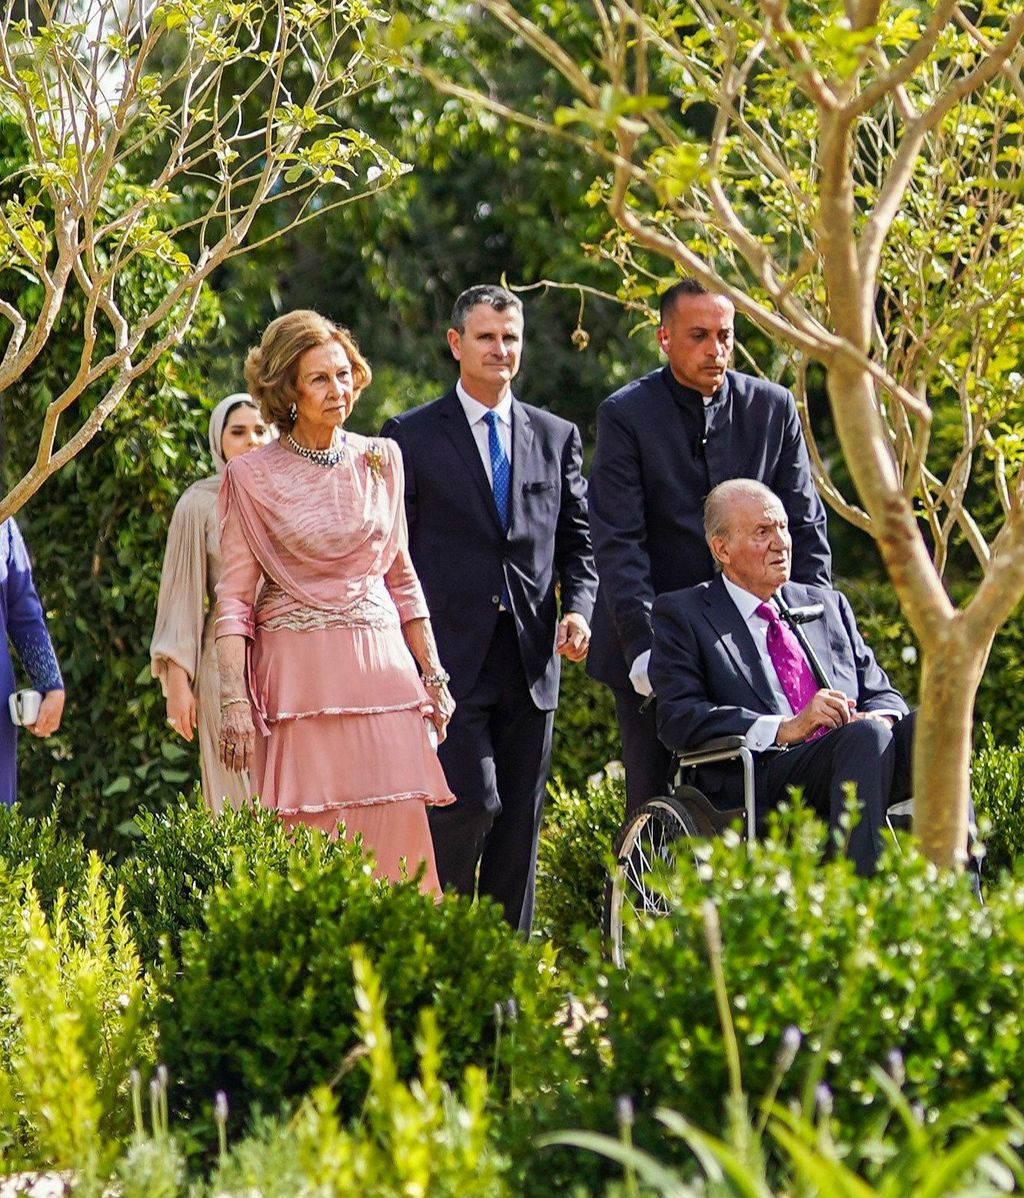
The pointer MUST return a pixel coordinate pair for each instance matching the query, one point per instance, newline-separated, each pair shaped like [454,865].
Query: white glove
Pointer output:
[638,674]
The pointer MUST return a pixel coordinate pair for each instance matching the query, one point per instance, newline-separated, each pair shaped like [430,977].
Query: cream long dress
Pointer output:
[184,631]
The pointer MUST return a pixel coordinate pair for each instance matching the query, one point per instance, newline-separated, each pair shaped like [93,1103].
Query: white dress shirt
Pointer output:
[475,413]
[762,732]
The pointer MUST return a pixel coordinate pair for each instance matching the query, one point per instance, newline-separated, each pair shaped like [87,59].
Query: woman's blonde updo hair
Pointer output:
[272,367]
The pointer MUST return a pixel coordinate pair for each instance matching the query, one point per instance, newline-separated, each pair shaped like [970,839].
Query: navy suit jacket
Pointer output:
[461,553]
[648,483]
[710,681]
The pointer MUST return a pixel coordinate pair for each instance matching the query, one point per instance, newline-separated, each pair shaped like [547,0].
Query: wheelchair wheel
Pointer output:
[650,838]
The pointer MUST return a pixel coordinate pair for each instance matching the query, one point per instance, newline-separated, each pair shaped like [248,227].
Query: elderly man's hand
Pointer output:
[828,709]
[573,639]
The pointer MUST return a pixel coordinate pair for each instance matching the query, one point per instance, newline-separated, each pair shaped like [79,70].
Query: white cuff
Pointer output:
[762,733]
[638,674]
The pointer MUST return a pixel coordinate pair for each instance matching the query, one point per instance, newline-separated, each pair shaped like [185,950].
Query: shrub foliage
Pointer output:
[261,1003]
[908,960]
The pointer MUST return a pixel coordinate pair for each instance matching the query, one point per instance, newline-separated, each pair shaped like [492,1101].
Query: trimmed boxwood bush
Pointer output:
[586,734]
[908,960]
[57,860]
[181,854]
[997,787]
[580,826]
[260,1004]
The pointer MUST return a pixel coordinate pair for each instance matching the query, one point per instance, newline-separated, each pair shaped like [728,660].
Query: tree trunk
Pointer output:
[953,656]
[950,673]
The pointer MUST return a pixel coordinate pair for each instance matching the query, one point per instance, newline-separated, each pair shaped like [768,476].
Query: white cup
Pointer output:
[24,706]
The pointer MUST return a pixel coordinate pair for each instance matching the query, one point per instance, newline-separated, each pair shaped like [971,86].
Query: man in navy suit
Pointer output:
[663,441]
[720,668]
[497,510]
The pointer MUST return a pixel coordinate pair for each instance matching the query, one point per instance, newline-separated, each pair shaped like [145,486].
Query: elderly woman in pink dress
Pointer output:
[321,696]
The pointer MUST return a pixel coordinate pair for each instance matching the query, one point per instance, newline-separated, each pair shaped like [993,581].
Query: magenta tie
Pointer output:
[795,676]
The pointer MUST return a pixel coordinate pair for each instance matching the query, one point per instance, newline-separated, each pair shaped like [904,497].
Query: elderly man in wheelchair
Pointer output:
[776,674]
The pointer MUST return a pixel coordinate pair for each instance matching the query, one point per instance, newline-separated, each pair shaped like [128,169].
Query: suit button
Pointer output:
[495,598]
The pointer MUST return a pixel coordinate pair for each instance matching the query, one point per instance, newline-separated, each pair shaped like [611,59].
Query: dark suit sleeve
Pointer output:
[792,482]
[687,718]
[619,528]
[574,558]
[393,431]
[874,690]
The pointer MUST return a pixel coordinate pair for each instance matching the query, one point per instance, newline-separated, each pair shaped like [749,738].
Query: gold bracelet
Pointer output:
[226,703]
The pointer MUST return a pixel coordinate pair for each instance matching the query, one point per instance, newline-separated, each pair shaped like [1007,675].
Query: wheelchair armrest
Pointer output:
[722,748]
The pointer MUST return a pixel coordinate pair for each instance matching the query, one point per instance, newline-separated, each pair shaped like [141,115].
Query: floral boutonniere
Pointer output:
[374,459]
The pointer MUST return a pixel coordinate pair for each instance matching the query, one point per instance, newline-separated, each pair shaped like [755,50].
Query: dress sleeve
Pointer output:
[240,572]
[401,579]
[180,607]
[26,624]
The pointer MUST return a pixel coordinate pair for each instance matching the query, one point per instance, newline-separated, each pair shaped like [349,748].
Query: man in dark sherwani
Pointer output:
[663,442]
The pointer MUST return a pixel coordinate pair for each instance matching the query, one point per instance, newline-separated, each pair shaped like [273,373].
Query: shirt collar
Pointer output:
[746,603]
[476,411]
[687,395]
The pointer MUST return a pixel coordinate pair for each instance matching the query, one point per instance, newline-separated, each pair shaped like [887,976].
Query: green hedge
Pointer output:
[586,734]
[181,855]
[260,1003]
[908,960]
[580,826]
[997,786]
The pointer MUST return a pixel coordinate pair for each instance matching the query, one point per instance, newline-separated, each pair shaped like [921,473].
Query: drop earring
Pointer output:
[293,413]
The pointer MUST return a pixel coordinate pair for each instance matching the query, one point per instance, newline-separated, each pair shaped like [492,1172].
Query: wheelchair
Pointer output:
[658,833]
[655,837]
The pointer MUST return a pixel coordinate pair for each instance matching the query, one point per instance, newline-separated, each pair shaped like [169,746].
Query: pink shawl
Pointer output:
[325,536]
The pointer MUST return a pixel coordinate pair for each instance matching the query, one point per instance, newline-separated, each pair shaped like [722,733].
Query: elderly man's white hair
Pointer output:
[716,506]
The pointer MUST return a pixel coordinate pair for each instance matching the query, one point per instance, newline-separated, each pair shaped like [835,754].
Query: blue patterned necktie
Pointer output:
[500,473]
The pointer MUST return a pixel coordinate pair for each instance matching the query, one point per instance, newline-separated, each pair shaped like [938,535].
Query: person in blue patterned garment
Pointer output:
[25,628]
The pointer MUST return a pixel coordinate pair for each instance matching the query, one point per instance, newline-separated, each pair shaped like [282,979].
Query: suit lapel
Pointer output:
[522,447]
[736,638]
[456,426]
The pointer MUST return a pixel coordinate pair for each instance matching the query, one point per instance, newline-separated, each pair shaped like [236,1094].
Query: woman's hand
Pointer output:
[443,709]
[50,711]
[237,736]
[181,703]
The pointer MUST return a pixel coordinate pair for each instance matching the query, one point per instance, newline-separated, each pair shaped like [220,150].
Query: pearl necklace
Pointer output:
[319,457]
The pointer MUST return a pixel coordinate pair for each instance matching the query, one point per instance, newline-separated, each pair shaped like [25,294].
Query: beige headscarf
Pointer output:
[218,418]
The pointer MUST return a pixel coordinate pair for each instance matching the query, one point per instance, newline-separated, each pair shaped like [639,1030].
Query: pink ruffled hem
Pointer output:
[423,708]
[427,800]
[333,671]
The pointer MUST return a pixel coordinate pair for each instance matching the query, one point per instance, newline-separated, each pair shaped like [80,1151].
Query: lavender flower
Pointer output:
[788,1048]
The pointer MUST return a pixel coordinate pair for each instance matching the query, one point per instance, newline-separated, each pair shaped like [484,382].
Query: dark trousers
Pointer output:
[495,757]
[876,758]
[647,762]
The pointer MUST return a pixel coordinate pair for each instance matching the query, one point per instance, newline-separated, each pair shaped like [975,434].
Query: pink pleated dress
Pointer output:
[340,712]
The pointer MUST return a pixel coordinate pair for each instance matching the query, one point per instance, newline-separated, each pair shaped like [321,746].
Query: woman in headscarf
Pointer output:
[184,650]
